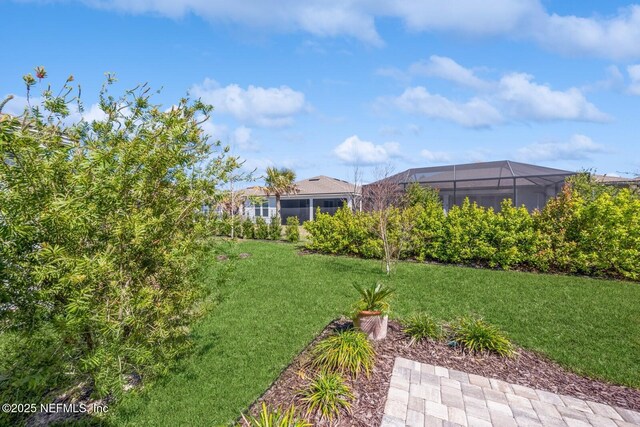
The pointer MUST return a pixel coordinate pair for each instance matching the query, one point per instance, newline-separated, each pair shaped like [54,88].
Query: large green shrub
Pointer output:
[345,232]
[426,238]
[513,236]
[597,233]
[466,234]
[262,229]
[275,228]
[248,229]
[293,231]
[101,235]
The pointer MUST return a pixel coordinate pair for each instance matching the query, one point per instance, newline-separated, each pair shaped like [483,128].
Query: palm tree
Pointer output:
[280,182]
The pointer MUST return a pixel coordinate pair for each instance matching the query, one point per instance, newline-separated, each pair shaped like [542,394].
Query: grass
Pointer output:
[279,301]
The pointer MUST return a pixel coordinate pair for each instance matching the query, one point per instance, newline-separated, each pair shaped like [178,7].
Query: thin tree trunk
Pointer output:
[278,205]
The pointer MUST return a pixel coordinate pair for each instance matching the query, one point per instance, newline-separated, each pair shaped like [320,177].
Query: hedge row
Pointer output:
[587,229]
[247,229]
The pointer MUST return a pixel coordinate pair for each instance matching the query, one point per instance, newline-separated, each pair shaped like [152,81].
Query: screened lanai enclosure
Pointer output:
[489,183]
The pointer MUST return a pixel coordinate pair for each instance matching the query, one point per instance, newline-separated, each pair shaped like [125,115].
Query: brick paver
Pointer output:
[423,395]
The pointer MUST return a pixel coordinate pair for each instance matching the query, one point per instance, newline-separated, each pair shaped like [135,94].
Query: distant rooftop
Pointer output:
[615,180]
[317,185]
[322,184]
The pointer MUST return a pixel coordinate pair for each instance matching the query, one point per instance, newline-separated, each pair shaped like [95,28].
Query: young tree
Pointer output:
[280,182]
[382,197]
[101,237]
[356,192]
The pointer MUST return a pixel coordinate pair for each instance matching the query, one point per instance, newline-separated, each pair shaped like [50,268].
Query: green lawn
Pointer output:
[278,301]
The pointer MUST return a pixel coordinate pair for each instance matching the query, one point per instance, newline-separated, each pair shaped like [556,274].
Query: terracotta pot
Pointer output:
[372,323]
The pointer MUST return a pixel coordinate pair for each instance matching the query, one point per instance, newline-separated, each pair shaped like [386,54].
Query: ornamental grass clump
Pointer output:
[327,395]
[477,336]
[422,326]
[278,417]
[348,352]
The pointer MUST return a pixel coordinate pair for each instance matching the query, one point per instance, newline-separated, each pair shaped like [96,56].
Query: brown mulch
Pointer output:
[527,369]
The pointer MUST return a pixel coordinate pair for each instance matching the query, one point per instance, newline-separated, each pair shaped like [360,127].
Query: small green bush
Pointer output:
[275,228]
[248,230]
[347,352]
[327,395]
[292,232]
[224,225]
[275,418]
[477,336]
[422,326]
[262,229]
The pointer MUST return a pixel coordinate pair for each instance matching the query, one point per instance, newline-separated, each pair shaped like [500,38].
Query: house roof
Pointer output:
[322,184]
[314,186]
[501,170]
[615,180]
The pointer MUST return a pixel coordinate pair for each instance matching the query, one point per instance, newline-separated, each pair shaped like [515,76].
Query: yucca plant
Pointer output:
[476,336]
[373,298]
[327,395]
[421,326]
[275,418]
[347,352]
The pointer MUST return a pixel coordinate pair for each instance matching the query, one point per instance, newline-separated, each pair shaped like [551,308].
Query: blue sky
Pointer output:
[323,85]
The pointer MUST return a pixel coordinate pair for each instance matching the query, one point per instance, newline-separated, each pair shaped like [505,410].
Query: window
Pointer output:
[262,209]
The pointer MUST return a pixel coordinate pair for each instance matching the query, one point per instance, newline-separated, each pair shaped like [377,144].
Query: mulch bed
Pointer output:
[527,369]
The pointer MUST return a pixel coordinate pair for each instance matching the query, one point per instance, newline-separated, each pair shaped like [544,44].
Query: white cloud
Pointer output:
[353,150]
[268,107]
[516,96]
[614,80]
[465,16]
[242,138]
[531,101]
[634,75]
[448,69]
[17,105]
[615,36]
[473,113]
[436,156]
[579,147]
[216,132]
[94,113]
[318,17]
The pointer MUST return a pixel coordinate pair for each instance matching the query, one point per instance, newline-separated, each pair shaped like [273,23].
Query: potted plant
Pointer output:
[372,309]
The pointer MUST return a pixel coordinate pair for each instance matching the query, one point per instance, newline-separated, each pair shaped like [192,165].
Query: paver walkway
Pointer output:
[428,395]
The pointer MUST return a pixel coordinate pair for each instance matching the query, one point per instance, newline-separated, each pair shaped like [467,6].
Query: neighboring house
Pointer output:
[487,183]
[320,192]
